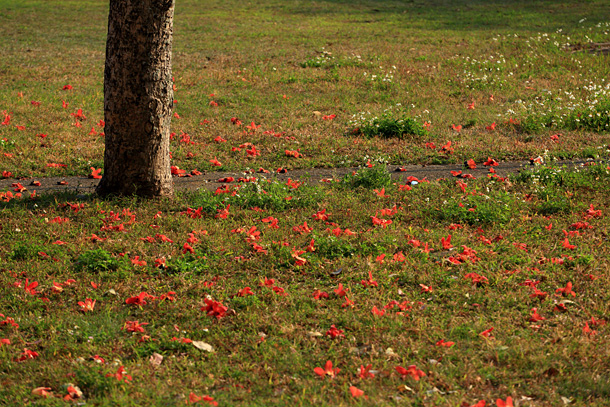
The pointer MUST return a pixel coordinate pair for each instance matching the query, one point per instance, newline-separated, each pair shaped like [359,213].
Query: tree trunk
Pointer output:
[138,98]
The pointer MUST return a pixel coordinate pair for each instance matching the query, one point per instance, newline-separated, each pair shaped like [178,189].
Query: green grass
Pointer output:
[509,242]
[445,259]
[276,63]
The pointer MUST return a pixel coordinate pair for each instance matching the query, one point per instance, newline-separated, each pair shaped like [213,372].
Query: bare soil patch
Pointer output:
[213,180]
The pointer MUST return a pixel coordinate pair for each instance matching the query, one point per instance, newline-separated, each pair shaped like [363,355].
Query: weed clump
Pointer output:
[476,209]
[276,196]
[271,195]
[552,201]
[592,118]
[94,261]
[589,115]
[194,265]
[387,125]
[24,251]
[373,177]
[595,177]
[332,247]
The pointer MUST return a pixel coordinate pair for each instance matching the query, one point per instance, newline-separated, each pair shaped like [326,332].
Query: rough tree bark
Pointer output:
[138,98]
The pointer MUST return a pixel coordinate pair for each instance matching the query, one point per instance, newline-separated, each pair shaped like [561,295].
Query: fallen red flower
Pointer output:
[411,370]
[214,309]
[327,370]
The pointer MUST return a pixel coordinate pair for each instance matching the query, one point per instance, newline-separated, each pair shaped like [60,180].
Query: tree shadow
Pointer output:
[46,200]
[67,198]
[460,15]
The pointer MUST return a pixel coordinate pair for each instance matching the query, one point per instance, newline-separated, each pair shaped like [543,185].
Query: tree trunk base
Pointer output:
[138,98]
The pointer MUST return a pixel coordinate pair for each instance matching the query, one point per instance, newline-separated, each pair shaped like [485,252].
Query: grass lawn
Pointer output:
[451,292]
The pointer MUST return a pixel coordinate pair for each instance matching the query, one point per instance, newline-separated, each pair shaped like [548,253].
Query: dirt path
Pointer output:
[210,180]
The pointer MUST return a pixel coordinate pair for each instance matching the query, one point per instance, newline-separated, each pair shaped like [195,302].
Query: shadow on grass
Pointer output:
[462,15]
[53,199]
